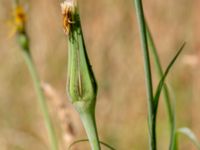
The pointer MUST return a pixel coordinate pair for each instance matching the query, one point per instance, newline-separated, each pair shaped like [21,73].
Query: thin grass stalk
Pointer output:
[166,96]
[23,41]
[41,100]
[148,77]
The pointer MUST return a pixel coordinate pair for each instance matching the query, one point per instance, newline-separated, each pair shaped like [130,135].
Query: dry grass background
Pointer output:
[111,35]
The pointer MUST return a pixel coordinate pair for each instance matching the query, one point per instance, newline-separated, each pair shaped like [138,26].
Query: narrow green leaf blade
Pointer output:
[187,132]
[170,106]
[162,81]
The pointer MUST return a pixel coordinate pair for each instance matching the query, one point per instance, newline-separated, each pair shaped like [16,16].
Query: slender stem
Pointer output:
[89,123]
[170,110]
[148,78]
[41,99]
[23,41]
[86,140]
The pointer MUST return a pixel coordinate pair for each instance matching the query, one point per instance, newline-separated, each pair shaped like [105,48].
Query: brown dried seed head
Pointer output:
[68,9]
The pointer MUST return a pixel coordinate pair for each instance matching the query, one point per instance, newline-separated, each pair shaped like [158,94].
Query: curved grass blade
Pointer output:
[86,140]
[187,132]
[166,94]
[162,81]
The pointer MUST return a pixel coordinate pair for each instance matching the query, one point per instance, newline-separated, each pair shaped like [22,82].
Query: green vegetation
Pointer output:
[82,85]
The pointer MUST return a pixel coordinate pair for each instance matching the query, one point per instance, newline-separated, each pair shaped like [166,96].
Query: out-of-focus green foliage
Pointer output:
[112,40]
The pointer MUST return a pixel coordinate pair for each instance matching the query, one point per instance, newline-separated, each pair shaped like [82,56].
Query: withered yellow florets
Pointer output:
[19,18]
[68,8]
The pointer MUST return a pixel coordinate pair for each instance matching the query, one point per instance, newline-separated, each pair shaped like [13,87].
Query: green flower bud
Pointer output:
[82,87]
[23,41]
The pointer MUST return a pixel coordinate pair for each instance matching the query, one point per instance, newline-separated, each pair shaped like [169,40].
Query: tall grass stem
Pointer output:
[148,77]
[19,21]
[41,100]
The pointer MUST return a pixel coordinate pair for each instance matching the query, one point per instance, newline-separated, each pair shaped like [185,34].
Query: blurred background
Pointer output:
[112,39]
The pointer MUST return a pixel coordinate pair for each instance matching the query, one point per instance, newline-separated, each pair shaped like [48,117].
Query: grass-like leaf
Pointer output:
[162,81]
[166,95]
[187,132]
[86,140]
[148,76]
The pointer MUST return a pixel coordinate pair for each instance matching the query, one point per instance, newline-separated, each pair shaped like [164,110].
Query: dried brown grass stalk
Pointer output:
[64,112]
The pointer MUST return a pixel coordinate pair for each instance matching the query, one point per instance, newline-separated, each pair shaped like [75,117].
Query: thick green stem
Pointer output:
[41,99]
[170,110]
[147,66]
[89,123]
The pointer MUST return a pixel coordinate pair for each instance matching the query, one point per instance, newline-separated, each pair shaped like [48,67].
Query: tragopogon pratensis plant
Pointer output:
[82,86]
[19,21]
